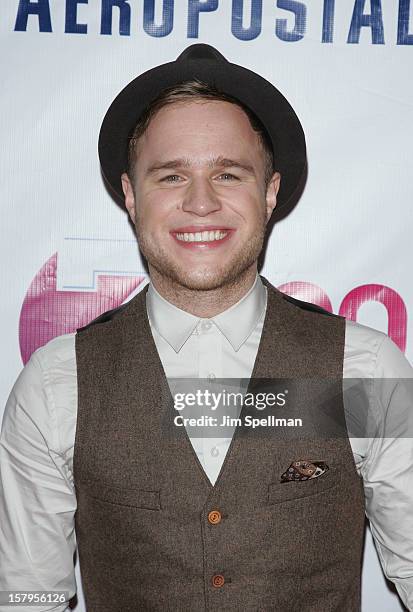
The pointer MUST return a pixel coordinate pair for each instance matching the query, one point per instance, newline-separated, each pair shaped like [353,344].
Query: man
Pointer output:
[203,151]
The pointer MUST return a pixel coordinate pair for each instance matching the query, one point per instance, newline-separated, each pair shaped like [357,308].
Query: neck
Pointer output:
[204,303]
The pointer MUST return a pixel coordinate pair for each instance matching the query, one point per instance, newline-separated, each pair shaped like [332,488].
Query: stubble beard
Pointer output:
[207,277]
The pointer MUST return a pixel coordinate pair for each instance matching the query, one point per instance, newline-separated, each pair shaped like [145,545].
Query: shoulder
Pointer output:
[363,339]
[132,307]
[302,313]
[372,353]
[105,317]
[308,306]
[43,397]
[57,354]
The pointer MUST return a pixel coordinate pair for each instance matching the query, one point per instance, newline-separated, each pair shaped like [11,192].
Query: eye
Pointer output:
[228,176]
[171,178]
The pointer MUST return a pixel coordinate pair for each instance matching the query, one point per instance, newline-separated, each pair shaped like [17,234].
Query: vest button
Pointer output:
[214,517]
[218,580]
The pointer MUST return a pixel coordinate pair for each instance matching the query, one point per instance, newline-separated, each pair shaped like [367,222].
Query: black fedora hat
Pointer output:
[205,63]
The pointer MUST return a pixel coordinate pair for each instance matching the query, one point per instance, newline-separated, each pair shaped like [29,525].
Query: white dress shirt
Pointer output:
[37,496]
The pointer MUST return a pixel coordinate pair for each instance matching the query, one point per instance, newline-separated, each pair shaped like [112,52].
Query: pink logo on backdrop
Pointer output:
[47,313]
[351,303]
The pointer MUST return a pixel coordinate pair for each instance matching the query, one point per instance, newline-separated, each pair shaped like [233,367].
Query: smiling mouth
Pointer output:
[205,236]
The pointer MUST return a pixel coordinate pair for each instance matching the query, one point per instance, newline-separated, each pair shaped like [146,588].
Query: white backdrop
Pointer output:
[69,252]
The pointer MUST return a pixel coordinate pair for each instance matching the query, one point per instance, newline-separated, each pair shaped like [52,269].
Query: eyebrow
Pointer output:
[183,162]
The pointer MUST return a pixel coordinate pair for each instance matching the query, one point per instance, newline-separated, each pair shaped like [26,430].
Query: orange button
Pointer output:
[214,517]
[218,580]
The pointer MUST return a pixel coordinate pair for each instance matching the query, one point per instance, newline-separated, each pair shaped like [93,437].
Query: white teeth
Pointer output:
[205,236]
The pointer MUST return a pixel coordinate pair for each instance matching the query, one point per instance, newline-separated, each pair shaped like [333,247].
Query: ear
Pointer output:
[271,195]
[129,195]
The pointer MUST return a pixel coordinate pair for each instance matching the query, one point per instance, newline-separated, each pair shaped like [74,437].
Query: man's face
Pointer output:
[199,202]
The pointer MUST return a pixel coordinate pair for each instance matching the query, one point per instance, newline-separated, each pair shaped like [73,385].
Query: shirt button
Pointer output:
[214,517]
[218,580]
[214,451]
[211,376]
[205,325]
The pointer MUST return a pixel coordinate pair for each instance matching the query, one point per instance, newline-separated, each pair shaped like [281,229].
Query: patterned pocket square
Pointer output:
[304,470]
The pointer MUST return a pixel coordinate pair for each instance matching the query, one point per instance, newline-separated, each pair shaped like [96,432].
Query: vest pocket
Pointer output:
[139,498]
[280,492]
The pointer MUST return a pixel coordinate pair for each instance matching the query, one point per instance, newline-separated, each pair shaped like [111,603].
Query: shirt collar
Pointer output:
[236,323]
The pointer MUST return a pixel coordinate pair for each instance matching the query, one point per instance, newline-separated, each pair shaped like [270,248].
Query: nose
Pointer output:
[200,198]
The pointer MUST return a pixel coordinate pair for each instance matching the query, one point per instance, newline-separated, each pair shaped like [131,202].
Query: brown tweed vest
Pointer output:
[146,537]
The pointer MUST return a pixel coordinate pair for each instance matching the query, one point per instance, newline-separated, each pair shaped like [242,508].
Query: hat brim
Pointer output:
[258,94]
